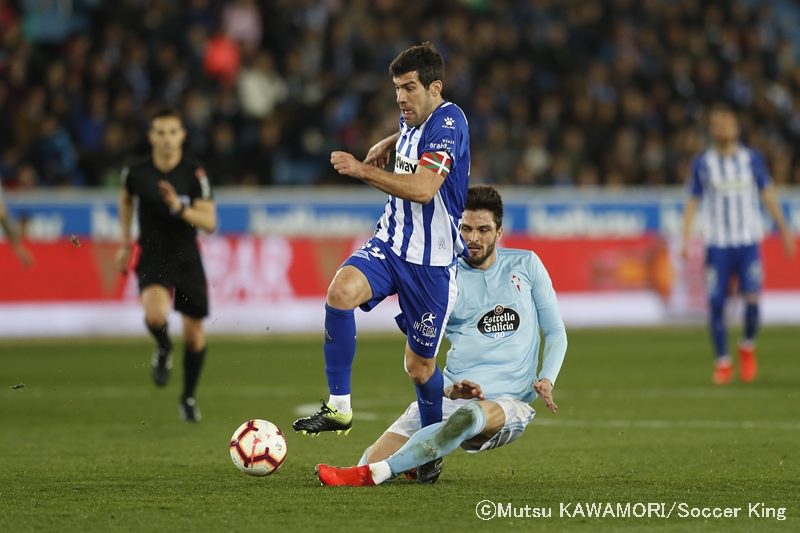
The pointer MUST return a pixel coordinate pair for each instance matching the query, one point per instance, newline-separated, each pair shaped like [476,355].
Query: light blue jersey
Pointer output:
[494,327]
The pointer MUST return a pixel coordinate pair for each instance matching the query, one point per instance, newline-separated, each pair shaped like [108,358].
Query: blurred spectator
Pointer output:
[221,60]
[260,87]
[562,93]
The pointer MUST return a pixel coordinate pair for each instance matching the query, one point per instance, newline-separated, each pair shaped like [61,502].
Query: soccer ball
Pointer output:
[258,447]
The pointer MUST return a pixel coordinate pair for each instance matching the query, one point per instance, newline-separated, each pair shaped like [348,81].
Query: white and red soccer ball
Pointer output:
[258,447]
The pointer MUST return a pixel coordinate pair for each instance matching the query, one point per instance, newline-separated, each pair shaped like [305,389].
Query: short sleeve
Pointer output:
[696,179]
[201,186]
[760,171]
[445,132]
[126,180]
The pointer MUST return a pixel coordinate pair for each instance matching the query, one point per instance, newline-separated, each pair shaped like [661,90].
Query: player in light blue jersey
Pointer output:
[732,181]
[506,305]
[416,242]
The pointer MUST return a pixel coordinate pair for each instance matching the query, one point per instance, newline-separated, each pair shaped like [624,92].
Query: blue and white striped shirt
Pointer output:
[730,188]
[428,234]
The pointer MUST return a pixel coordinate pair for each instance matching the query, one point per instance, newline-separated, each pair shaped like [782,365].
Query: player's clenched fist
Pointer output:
[346,164]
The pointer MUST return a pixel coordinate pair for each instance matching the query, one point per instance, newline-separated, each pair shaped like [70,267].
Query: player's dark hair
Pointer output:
[424,59]
[165,112]
[485,197]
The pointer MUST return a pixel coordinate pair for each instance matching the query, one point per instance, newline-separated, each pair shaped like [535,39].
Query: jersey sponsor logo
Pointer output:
[443,144]
[426,325]
[424,343]
[405,165]
[499,323]
[439,162]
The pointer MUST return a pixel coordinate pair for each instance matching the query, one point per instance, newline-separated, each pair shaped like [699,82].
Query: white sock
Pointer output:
[724,360]
[340,402]
[380,472]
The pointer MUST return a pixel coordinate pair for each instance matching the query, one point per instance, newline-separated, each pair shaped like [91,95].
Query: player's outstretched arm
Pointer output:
[419,187]
[770,200]
[380,153]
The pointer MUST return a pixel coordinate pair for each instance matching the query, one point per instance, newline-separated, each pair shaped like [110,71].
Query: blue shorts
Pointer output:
[426,294]
[743,261]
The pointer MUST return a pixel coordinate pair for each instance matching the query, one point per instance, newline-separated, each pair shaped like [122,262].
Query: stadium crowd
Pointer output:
[557,92]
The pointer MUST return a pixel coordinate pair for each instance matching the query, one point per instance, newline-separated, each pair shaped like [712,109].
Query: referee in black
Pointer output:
[174,199]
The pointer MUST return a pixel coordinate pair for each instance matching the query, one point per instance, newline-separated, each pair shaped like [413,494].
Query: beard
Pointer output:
[477,259]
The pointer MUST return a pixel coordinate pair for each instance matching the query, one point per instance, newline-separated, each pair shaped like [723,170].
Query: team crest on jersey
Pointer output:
[499,323]
[449,123]
[426,325]
[515,282]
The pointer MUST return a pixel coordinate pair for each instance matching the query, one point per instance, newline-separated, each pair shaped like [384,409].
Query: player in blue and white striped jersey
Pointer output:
[416,242]
[732,181]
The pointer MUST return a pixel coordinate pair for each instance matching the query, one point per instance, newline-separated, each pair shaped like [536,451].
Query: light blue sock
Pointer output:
[439,439]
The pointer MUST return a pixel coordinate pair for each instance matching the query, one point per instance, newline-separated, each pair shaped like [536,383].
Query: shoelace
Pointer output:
[325,410]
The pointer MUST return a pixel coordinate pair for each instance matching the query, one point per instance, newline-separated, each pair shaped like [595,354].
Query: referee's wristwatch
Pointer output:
[178,213]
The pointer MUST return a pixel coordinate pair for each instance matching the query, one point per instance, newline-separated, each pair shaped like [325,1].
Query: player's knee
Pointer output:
[419,371]
[716,307]
[343,295]
[155,318]
[465,419]
[194,338]
[195,343]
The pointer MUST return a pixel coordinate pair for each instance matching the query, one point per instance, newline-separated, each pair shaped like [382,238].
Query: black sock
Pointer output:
[162,337]
[192,365]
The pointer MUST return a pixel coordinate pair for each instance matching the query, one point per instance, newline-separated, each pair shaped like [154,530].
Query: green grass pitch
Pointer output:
[90,444]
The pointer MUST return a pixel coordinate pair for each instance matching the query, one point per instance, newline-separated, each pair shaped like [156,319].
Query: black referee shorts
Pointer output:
[180,272]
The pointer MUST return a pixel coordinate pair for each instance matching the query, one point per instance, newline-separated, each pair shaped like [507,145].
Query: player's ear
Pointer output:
[436,88]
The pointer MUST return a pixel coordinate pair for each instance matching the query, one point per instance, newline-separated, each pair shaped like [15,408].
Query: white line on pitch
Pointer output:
[305,409]
[670,424]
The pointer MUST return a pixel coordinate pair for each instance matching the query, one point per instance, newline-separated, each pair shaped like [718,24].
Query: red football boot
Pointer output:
[747,362]
[354,476]
[723,373]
